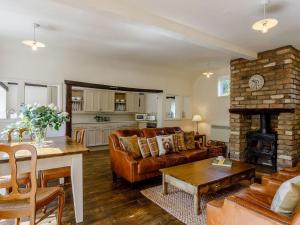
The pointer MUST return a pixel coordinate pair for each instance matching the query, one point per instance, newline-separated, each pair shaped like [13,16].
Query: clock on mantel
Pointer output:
[256,82]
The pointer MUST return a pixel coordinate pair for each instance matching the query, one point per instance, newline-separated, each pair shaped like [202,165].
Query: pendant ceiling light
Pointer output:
[34,44]
[265,24]
[208,74]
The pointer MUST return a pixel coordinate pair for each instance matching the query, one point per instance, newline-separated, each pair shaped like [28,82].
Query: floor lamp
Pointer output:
[197,119]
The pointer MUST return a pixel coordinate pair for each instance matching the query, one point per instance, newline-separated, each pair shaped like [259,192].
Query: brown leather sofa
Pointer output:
[283,175]
[251,206]
[133,170]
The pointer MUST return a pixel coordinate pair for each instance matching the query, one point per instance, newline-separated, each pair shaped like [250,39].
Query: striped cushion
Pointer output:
[153,146]
[178,139]
[144,147]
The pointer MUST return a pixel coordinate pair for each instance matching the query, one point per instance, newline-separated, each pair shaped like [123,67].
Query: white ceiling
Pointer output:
[168,32]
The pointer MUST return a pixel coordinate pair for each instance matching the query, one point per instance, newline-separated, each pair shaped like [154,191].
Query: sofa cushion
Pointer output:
[194,155]
[189,140]
[174,159]
[144,147]
[165,144]
[153,146]
[178,139]
[287,197]
[150,164]
[130,144]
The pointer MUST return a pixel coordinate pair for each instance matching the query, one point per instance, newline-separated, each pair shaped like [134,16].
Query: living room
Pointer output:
[147,112]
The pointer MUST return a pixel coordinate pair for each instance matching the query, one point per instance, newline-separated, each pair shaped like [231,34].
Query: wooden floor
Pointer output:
[112,203]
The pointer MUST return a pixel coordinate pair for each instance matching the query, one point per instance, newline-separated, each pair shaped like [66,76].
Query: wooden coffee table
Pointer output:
[202,177]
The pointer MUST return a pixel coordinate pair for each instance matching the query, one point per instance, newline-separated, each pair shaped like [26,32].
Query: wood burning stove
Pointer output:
[262,144]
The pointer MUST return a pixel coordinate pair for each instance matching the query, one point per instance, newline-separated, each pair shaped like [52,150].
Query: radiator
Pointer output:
[220,133]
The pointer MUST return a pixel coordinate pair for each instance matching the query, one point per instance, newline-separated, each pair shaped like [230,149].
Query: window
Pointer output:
[8,100]
[40,94]
[3,90]
[223,87]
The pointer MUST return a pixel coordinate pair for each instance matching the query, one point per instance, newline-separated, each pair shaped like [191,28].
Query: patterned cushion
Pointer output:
[165,144]
[153,146]
[130,144]
[287,197]
[144,147]
[178,139]
[189,140]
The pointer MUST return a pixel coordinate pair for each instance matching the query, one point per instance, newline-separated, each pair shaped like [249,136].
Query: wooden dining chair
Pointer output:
[25,202]
[21,132]
[23,179]
[64,172]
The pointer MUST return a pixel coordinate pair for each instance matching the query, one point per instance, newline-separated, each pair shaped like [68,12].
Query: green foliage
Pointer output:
[36,117]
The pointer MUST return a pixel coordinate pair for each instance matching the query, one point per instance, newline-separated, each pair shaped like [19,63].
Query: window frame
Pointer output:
[219,86]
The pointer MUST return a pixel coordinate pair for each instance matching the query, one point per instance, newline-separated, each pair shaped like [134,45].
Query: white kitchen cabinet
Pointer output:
[88,100]
[141,103]
[90,137]
[99,136]
[92,99]
[106,133]
[131,102]
[107,101]
[97,101]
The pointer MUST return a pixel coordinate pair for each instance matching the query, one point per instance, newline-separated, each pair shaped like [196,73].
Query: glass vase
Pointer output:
[39,136]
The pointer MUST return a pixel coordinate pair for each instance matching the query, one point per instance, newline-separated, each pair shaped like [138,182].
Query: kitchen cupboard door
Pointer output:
[107,101]
[98,136]
[88,100]
[97,101]
[131,102]
[141,103]
[91,137]
[92,99]
[111,101]
[106,133]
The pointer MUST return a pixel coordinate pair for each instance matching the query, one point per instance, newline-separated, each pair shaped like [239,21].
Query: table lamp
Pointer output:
[197,119]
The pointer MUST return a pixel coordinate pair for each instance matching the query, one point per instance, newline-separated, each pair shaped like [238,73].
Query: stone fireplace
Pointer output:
[265,123]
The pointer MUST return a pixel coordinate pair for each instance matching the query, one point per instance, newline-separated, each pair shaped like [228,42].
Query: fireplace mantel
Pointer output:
[261,111]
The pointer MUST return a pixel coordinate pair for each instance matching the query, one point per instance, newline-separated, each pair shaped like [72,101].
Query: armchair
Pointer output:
[250,206]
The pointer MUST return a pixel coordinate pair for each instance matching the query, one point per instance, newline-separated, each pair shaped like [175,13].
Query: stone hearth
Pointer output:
[279,97]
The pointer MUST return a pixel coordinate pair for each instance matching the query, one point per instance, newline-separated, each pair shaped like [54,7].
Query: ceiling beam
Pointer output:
[170,28]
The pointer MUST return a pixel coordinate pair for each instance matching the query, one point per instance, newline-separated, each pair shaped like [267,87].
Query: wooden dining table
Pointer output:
[56,152]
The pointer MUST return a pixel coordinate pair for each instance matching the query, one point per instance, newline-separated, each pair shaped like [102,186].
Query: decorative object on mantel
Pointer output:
[180,204]
[197,119]
[34,44]
[266,23]
[36,119]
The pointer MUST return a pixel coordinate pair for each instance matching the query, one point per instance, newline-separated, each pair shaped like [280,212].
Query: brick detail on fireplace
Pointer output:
[281,71]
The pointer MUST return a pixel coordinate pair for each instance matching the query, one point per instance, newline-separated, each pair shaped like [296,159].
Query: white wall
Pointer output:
[212,108]
[53,66]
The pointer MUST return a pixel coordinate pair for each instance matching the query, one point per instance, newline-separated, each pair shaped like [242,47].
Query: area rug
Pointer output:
[181,204]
